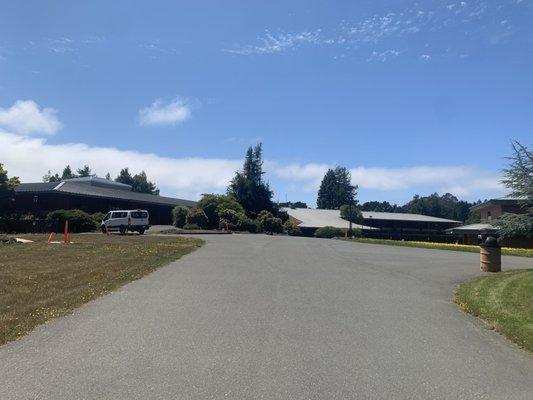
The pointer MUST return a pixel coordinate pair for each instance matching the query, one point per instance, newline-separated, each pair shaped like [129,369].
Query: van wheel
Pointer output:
[122,230]
[141,231]
[104,229]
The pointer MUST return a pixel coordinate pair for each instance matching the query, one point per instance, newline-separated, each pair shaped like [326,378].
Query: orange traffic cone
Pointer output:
[51,237]
[66,236]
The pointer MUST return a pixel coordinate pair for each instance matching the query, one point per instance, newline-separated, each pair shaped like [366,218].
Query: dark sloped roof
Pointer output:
[79,188]
[36,187]
[501,200]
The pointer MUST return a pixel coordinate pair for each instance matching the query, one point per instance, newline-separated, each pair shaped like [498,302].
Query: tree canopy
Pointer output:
[138,182]
[84,171]
[67,173]
[446,206]
[294,204]
[518,177]
[336,189]
[7,186]
[248,186]
[381,206]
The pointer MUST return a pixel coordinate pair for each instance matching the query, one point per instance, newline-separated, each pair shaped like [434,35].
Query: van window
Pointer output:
[139,214]
[117,214]
[108,215]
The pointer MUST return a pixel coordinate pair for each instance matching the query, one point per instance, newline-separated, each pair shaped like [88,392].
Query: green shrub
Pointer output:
[268,223]
[179,216]
[230,219]
[328,232]
[356,233]
[236,221]
[356,217]
[98,217]
[197,216]
[191,227]
[249,225]
[78,220]
[214,204]
[291,228]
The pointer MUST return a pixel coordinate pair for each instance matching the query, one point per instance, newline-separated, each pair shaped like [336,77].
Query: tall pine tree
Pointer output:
[248,186]
[336,189]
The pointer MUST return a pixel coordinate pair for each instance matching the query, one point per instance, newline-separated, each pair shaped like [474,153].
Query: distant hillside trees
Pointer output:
[67,174]
[446,206]
[295,204]
[381,206]
[248,186]
[336,189]
[518,177]
[139,182]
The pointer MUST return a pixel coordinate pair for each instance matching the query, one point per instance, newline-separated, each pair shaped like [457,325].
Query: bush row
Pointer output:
[224,212]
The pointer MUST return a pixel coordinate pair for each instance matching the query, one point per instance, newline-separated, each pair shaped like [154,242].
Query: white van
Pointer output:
[126,220]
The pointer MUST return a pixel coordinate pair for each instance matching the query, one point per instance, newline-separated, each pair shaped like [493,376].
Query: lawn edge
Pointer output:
[398,243]
[101,294]
[487,323]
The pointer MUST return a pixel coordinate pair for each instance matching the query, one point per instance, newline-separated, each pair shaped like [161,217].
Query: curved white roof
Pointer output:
[313,218]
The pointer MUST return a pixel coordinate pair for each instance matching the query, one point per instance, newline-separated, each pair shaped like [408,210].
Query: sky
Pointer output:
[412,96]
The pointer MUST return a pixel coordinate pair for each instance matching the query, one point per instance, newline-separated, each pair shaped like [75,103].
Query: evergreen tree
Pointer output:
[67,173]
[85,171]
[141,184]
[125,177]
[248,187]
[336,189]
[49,177]
[519,179]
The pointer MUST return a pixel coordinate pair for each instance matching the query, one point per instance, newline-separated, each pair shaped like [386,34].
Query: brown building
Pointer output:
[489,211]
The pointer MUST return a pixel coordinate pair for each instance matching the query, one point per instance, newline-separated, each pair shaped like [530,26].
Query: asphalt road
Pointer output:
[259,317]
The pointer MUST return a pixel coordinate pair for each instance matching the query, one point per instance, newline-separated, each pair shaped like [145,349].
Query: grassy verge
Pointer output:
[40,281]
[504,301]
[508,251]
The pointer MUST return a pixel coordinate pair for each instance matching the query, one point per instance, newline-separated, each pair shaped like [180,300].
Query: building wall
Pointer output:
[41,204]
[492,211]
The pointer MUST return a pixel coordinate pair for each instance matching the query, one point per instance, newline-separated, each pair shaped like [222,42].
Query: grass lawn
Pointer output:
[504,301]
[506,251]
[39,281]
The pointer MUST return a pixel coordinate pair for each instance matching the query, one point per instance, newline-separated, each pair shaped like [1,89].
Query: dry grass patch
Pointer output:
[39,281]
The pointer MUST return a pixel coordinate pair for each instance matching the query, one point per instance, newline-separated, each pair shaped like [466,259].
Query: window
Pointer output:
[139,214]
[117,214]
[489,216]
[108,215]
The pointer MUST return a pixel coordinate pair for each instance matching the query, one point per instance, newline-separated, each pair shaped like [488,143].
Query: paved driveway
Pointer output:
[259,317]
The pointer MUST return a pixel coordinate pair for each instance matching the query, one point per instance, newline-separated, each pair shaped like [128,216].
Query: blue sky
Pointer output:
[412,96]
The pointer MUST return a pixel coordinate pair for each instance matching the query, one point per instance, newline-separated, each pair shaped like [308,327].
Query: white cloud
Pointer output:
[180,177]
[26,117]
[189,177]
[425,57]
[459,180]
[161,113]
[270,43]
[384,55]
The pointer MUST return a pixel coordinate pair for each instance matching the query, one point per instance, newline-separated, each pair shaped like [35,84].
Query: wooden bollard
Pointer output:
[490,256]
